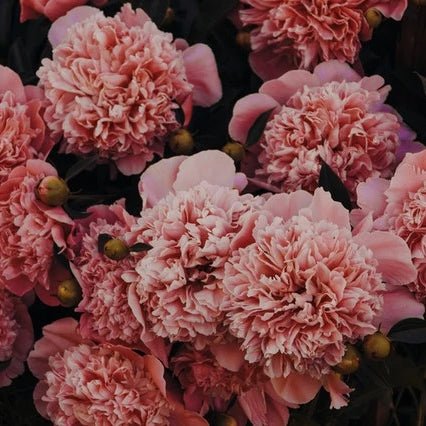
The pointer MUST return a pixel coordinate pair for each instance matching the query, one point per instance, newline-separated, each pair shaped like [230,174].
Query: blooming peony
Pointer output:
[22,130]
[106,315]
[52,9]
[332,115]
[178,288]
[294,34]
[84,383]
[16,337]
[399,205]
[300,286]
[114,85]
[29,231]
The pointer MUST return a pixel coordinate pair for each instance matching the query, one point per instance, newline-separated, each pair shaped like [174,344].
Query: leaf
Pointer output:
[411,330]
[180,115]
[102,240]
[333,184]
[81,165]
[5,364]
[139,247]
[257,128]
[75,214]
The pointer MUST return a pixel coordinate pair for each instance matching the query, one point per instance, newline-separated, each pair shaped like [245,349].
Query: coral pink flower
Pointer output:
[22,129]
[114,85]
[179,283]
[52,9]
[332,115]
[16,337]
[300,286]
[399,205]
[84,383]
[302,33]
[29,230]
[106,315]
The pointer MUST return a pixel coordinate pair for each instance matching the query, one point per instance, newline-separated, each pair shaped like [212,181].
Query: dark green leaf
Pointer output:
[81,165]
[410,330]
[139,247]
[102,240]
[333,184]
[257,128]
[5,364]
[180,115]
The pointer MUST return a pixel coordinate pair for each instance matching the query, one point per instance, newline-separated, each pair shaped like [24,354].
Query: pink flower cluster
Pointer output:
[114,85]
[331,115]
[295,34]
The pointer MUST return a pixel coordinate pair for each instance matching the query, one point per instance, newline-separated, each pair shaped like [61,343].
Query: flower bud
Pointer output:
[235,150]
[373,17]
[243,40]
[350,361]
[69,293]
[53,191]
[181,142]
[169,17]
[221,419]
[419,2]
[116,249]
[377,346]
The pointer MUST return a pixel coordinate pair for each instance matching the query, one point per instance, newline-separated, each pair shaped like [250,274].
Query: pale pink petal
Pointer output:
[133,18]
[228,355]
[288,205]
[59,28]
[202,73]
[54,9]
[10,81]
[398,304]
[296,388]
[371,195]
[245,113]
[335,71]
[131,165]
[338,390]
[254,405]
[393,255]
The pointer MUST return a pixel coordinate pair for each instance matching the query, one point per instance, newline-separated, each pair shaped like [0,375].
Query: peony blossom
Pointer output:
[295,34]
[114,85]
[88,384]
[179,282]
[16,337]
[106,315]
[29,231]
[300,285]
[332,115]
[399,205]
[22,130]
[52,9]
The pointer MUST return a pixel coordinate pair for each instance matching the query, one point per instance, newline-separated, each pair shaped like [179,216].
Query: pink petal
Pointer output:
[267,64]
[335,71]
[283,88]
[254,405]
[407,146]
[133,18]
[54,9]
[214,167]
[228,356]
[371,195]
[202,73]
[391,8]
[393,255]
[296,388]
[59,28]
[10,81]
[338,391]
[245,113]
[323,207]
[398,304]
[288,205]
[131,165]
[157,181]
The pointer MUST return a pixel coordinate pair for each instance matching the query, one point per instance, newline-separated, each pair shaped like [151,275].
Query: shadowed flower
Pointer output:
[332,115]
[114,85]
[16,337]
[294,34]
[22,129]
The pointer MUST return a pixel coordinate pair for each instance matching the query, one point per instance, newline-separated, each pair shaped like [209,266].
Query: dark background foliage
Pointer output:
[387,393]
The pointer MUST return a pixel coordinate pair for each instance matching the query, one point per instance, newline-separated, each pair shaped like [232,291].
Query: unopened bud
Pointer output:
[169,17]
[181,142]
[69,293]
[377,346]
[350,361]
[235,150]
[220,419]
[373,17]
[53,191]
[116,249]
[243,40]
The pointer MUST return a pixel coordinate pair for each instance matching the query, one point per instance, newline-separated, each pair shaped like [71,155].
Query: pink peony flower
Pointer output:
[16,337]
[106,315]
[295,34]
[114,85]
[332,115]
[84,383]
[29,231]
[22,129]
[179,282]
[399,205]
[300,286]
[52,9]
